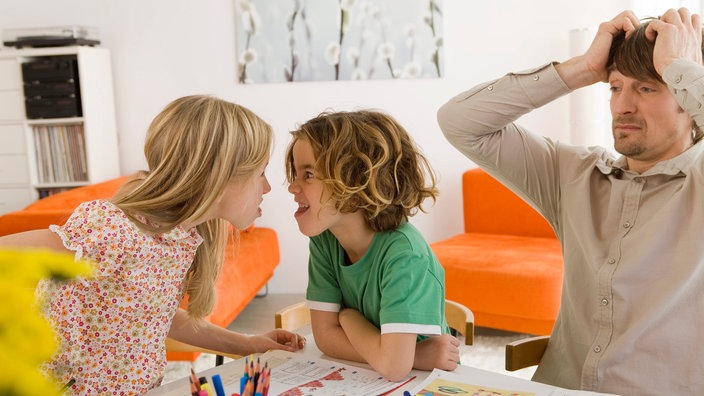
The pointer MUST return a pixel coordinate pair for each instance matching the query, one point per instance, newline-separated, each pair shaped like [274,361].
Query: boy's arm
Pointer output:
[330,337]
[391,355]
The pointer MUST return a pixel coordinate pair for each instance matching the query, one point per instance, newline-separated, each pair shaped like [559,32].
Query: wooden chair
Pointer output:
[458,317]
[526,352]
[178,346]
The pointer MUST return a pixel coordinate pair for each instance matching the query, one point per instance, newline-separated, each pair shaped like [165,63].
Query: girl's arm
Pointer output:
[34,239]
[209,336]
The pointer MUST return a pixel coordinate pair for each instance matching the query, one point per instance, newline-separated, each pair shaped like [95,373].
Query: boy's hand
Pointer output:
[441,352]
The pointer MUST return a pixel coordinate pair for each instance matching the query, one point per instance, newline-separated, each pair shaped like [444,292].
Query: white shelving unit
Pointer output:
[23,155]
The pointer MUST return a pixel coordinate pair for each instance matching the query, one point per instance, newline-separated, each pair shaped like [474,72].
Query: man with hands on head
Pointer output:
[632,225]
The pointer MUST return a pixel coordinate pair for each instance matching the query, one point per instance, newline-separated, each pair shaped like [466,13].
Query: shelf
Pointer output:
[55,121]
[43,156]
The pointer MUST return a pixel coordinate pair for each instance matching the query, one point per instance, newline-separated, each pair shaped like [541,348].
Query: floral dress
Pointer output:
[112,327]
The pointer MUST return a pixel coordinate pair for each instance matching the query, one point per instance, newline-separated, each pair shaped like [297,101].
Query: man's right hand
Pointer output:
[590,68]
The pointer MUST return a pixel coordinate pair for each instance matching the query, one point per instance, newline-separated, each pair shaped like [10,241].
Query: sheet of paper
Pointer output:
[442,383]
[293,374]
[484,383]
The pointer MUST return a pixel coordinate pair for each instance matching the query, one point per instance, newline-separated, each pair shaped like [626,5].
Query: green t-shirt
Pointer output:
[398,285]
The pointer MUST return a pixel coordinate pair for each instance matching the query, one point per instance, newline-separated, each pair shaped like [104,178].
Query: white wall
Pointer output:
[162,49]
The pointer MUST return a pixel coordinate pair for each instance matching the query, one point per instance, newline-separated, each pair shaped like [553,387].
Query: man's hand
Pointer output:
[590,68]
[677,35]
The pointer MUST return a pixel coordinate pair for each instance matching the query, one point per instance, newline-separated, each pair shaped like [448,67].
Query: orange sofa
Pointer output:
[507,265]
[249,262]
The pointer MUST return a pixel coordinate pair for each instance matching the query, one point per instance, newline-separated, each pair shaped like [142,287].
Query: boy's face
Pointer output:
[315,212]
[648,124]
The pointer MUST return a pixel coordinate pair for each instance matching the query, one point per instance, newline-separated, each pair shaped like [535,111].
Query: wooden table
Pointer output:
[233,370]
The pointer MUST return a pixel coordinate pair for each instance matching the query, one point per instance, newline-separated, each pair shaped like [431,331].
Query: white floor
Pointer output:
[487,352]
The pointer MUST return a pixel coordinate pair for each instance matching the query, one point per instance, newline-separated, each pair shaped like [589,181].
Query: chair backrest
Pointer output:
[292,317]
[525,352]
[491,208]
[461,319]
[458,317]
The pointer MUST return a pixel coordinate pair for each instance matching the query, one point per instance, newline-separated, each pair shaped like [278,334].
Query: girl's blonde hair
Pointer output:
[194,148]
[369,163]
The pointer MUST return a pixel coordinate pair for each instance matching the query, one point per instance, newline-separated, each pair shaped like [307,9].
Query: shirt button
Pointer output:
[627,224]
[612,261]
[597,349]
[536,78]
[604,302]
[638,180]
[678,79]
[490,87]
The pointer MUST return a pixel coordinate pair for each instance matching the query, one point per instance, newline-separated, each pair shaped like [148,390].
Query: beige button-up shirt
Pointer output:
[631,319]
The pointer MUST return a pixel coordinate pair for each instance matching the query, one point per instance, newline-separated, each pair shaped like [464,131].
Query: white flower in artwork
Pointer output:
[332,53]
[346,4]
[411,70]
[353,54]
[386,50]
[409,30]
[244,5]
[250,20]
[358,74]
[248,56]
[375,12]
[411,42]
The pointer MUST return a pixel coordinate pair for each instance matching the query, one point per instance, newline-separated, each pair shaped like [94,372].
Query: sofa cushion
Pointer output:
[510,282]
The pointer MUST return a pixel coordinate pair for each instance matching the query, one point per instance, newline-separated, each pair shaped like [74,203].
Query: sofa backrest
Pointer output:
[57,208]
[491,208]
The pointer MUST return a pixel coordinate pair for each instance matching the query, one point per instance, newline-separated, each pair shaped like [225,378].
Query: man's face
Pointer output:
[648,124]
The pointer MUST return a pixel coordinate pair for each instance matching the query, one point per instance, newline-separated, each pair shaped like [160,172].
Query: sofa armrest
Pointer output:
[25,220]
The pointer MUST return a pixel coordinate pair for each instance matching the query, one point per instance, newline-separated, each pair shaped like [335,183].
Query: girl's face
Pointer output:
[239,203]
[313,216]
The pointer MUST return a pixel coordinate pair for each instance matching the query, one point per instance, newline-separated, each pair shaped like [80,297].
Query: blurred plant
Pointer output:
[26,338]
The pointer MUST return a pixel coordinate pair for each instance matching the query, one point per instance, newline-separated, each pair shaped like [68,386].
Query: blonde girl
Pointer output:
[162,236]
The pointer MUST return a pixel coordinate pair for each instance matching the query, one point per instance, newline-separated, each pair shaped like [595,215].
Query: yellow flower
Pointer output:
[26,339]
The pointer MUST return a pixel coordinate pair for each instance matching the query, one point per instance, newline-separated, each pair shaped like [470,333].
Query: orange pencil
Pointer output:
[248,389]
[194,378]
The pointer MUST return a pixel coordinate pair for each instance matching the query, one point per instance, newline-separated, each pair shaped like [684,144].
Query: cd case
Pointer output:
[51,36]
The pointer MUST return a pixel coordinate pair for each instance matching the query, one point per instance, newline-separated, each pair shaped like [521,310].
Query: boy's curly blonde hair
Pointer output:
[369,163]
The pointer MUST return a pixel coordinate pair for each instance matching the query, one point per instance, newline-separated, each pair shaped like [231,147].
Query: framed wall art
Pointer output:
[326,40]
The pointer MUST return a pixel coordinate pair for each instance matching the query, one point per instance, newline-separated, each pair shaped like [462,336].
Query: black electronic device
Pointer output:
[60,36]
[51,87]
